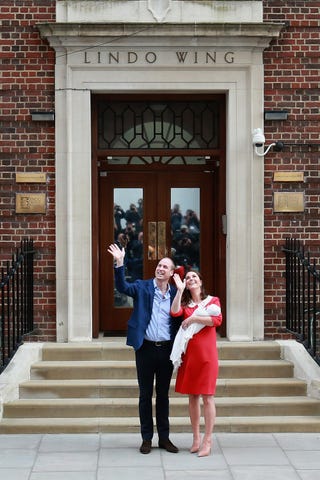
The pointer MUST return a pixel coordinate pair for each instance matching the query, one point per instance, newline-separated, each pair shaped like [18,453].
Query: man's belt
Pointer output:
[160,343]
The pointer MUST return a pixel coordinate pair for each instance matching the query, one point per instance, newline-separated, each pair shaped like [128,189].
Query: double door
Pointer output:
[153,214]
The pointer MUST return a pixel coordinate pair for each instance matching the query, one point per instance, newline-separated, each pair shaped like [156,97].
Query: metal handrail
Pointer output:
[16,301]
[302,297]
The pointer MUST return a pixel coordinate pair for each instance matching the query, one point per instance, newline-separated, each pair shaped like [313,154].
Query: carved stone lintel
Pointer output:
[159,8]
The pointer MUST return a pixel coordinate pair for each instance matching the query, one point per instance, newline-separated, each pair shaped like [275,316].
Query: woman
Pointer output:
[197,375]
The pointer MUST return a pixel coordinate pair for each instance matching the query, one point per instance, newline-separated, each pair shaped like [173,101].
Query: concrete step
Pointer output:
[113,350]
[127,407]
[248,350]
[260,424]
[117,350]
[119,388]
[102,369]
[93,388]
[97,369]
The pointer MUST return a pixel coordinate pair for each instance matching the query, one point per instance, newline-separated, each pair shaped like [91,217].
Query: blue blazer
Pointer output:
[142,292]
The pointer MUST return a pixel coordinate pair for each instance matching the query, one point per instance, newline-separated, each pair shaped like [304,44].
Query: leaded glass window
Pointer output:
[158,125]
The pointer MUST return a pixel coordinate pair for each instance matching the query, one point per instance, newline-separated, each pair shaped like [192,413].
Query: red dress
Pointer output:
[199,369]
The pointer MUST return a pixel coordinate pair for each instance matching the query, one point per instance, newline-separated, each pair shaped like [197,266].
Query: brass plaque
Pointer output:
[35,177]
[288,177]
[30,203]
[288,202]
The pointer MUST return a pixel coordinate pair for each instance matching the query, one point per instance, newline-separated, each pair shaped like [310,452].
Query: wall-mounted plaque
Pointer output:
[288,177]
[30,203]
[31,177]
[288,202]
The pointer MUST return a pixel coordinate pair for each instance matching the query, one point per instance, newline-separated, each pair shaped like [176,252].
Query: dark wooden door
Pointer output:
[153,214]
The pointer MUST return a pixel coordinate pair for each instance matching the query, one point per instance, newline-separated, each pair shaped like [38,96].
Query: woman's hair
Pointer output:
[186,296]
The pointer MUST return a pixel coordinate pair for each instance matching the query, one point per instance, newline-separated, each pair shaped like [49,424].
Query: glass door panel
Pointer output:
[128,234]
[185,227]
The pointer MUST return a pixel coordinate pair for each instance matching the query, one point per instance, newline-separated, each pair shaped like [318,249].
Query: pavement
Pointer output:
[116,456]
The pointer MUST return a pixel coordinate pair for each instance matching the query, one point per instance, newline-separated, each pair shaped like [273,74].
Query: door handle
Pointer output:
[152,240]
[162,248]
[157,247]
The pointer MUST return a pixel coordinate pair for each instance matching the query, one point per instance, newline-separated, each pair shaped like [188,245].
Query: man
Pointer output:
[151,332]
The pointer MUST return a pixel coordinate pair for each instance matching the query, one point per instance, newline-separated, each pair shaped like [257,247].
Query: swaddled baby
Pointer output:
[183,336]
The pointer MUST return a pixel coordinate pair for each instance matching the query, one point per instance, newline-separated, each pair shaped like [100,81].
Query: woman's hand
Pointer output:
[205,320]
[117,253]
[187,322]
[180,284]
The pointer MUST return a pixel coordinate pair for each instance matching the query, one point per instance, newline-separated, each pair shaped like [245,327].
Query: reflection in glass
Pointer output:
[185,227]
[128,233]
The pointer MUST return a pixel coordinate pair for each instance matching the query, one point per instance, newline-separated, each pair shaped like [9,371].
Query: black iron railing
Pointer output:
[16,301]
[302,297]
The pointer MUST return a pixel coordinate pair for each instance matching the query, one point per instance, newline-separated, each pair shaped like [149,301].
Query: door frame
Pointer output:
[98,163]
[156,185]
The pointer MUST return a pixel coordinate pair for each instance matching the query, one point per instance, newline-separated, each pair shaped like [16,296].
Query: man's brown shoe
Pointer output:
[145,446]
[168,445]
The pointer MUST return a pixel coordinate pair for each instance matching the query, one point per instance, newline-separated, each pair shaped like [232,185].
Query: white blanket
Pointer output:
[183,336]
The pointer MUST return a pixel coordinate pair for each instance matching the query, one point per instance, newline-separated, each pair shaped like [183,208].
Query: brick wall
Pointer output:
[27,83]
[291,83]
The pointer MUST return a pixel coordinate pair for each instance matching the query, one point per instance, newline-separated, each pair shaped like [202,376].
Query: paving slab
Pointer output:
[116,456]
[264,473]
[15,473]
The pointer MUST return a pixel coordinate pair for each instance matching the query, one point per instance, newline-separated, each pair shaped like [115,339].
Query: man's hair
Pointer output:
[173,266]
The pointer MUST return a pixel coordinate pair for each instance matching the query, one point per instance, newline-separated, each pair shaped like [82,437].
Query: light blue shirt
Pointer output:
[159,327]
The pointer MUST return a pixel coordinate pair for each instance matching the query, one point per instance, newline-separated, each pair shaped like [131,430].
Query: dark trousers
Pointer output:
[153,362]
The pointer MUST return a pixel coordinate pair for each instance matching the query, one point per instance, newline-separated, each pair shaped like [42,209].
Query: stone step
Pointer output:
[113,350]
[248,350]
[79,388]
[117,350]
[261,424]
[126,369]
[120,388]
[120,407]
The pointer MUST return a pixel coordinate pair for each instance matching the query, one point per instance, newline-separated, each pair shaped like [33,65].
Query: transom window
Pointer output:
[158,125]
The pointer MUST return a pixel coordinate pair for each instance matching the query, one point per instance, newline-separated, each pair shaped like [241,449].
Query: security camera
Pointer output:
[258,139]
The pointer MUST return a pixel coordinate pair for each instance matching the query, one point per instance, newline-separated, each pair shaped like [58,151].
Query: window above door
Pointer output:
[157,124]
